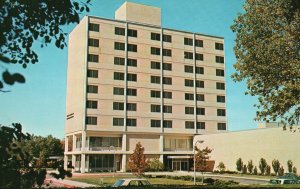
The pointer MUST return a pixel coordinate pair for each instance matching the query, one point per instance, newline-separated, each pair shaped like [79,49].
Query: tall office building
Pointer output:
[130,80]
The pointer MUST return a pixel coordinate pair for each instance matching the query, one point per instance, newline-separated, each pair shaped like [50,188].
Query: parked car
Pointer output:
[131,182]
[287,178]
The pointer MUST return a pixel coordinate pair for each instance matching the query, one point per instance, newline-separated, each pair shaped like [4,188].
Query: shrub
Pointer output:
[255,170]
[244,170]
[250,166]
[290,166]
[262,165]
[155,165]
[295,170]
[276,166]
[268,170]
[281,171]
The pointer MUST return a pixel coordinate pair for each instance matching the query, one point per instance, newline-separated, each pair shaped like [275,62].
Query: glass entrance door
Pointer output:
[180,165]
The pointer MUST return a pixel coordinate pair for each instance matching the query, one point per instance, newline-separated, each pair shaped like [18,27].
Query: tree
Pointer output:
[244,170]
[281,171]
[267,52]
[23,23]
[221,167]
[255,170]
[17,166]
[137,161]
[276,166]
[155,165]
[290,166]
[201,158]
[250,166]
[262,165]
[295,170]
[239,164]
[268,170]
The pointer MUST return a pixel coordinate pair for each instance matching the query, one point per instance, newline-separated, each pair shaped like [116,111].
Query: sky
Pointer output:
[39,104]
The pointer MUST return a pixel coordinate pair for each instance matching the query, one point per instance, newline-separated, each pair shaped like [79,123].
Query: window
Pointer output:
[200,97]
[119,61]
[189,96]
[221,126]
[199,70]
[93,42]
[91,120]
[199,84]
[167,80]
[155,108]
[167,109]
[120,46]
[155,123]
[155,51]
[219,72]
[188,55]
[220,59]
[118,91]
[167,123]
[131,77]
[155,36]
[189,83]
[155,79]
[189,110]
[188,41]
[118,106]
[155,65]
[131,92]
[219,46]
[188,69]
[167,94]
[118,76]
[167,38]
[189,125]
[167,52]
[132,48]
[93,58]
[92,104]
[198,43]
[199,56]
[221,99]
[92,89]
[92,73]
[93,27]
[155,94]
[118,121]
[221,112]
[200,111]
[220,86]
[131,106]
[131,122]
[200,125]
[167,66]
[132,33]
[131,62]
[119,31]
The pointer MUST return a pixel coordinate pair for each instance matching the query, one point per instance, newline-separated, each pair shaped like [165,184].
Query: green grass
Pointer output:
[108,181]
[246,175]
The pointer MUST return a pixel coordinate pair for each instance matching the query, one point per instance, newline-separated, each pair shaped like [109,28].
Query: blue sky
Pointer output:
[39,104]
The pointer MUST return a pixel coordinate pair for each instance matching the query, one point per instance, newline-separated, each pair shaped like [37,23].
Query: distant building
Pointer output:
[131,80]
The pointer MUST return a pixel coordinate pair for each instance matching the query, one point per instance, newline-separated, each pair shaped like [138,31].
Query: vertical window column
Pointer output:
[161,83]
[126,77]
[195,86]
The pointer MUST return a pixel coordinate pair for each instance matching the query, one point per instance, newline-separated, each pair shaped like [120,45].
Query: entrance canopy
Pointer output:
[179,157]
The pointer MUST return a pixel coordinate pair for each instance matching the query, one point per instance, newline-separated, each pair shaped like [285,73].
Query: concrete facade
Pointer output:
[116,96]
[268,143]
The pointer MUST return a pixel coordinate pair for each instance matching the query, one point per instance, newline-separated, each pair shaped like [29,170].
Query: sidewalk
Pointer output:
[66,183]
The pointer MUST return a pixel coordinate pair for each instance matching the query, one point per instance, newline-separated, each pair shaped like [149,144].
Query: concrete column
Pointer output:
[87,143]
[124,142]
[73,162]
[124,156]
[83,141]
[74,143]
[65,162]
[66,143]
[161,148]
[82,163]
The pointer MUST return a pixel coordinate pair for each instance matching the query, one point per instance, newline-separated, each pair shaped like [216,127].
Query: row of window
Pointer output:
[133,62]
[93,104]
[155,123]
[153,93]
[155,36]
[157,79]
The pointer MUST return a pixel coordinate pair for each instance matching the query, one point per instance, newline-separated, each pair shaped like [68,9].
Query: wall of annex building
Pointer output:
[106,82]
[269,143]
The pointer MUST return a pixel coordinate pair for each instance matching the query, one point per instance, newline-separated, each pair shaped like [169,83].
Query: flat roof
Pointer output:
[154,26]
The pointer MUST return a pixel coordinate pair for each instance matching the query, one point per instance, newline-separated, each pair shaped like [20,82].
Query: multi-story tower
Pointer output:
[131,80]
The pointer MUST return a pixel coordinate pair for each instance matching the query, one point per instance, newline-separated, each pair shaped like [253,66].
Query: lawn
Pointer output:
[107,181]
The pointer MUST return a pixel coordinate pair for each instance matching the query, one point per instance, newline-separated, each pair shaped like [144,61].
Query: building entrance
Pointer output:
[180,165]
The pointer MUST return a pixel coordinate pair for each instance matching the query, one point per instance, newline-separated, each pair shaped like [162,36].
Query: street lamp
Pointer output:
[114,168]
[194,148]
